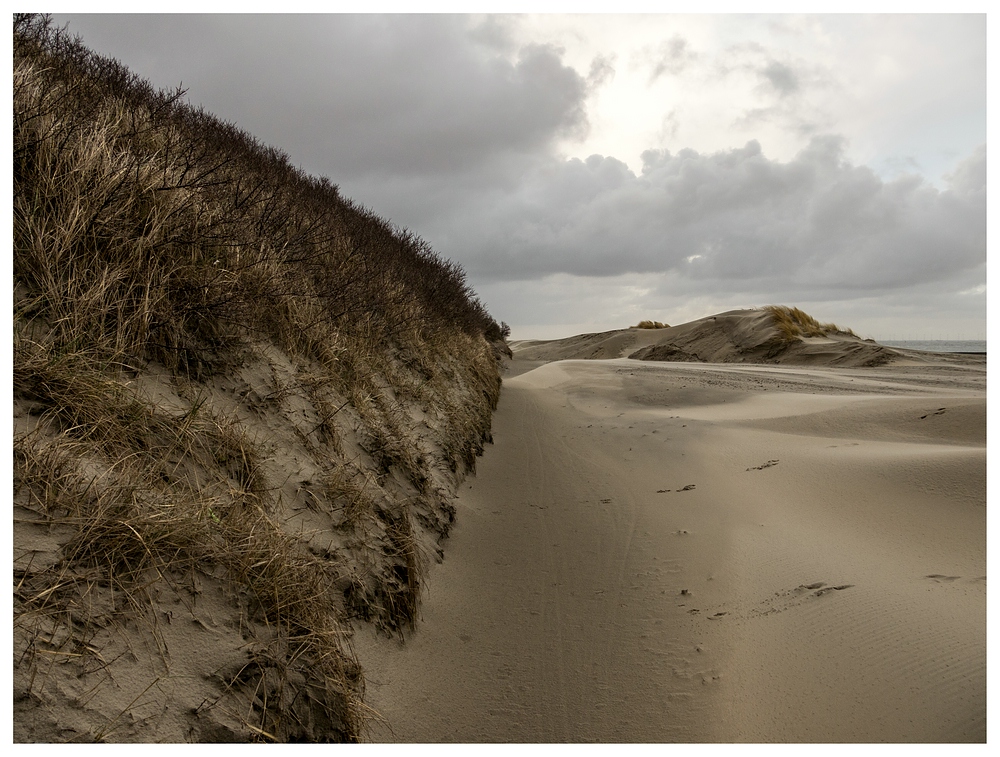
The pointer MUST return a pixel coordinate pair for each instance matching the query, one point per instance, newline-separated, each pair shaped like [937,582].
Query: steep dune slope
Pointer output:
[242,405]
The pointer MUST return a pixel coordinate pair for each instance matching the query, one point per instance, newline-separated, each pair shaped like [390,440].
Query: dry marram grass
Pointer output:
[231,384]
[651,325]
[794,324]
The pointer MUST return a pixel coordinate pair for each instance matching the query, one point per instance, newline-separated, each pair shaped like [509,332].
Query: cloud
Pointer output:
[781,77]
[969,177]
[451,126]
[364,94]
[726,221]
[669,127]
[672,56]
[602,71]
[777,88]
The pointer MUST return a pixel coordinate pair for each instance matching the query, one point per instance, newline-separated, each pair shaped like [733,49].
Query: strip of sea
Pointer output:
[939,345]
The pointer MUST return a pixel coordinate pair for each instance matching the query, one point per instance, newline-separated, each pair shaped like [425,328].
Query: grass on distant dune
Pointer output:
[794,323]
[651,325]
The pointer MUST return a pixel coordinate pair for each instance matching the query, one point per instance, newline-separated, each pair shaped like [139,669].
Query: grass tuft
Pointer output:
[795,324]
[650,325]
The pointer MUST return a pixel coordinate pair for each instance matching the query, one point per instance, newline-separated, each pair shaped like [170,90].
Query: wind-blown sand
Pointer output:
[663,552]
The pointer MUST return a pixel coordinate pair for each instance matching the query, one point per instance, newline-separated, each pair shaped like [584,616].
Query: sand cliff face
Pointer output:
[158,602]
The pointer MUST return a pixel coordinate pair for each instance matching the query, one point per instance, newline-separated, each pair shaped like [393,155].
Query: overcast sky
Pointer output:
[590,171]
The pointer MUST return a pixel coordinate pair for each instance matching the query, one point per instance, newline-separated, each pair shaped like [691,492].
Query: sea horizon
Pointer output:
[937,345]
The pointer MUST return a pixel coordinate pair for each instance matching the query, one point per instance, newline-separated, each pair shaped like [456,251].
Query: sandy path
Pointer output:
[835,595]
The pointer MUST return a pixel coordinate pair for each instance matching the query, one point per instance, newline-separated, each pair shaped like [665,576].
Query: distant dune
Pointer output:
[764,335]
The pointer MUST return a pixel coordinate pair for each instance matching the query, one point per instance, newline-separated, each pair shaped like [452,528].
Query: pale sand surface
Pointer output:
[837,594]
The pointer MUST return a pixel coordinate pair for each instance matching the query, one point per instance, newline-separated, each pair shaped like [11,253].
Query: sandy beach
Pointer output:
[689,552]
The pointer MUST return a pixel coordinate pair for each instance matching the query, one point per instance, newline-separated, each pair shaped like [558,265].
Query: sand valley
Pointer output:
[706,552]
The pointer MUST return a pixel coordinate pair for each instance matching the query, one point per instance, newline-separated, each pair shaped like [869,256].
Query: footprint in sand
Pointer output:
[785,600]
[940,578]
[823,591]
[818,589]
[768,464]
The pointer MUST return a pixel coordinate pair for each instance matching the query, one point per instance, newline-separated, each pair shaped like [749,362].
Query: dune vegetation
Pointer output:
[794,323]
[242,404]
[651,325]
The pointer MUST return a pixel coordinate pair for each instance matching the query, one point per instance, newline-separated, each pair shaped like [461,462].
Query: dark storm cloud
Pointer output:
[356,95]
[725,219]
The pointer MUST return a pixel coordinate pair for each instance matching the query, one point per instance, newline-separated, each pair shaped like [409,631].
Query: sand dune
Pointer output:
[669,551]
[737,336]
